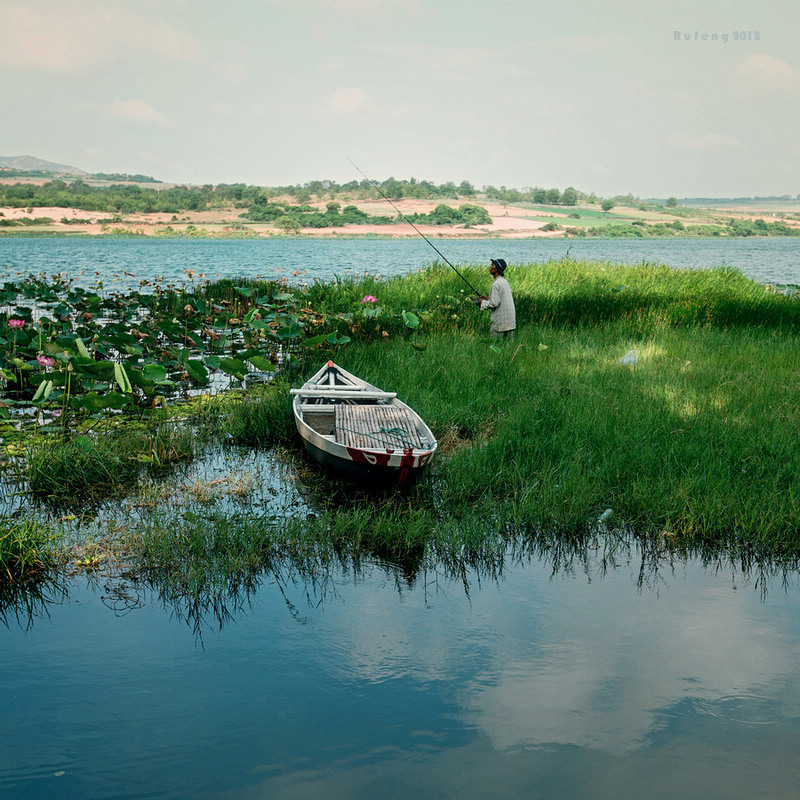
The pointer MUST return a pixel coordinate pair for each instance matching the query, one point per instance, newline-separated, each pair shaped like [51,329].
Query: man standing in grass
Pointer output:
[501,303]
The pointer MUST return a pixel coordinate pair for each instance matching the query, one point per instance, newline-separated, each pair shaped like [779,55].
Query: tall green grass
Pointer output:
[697,442]
[264,418]
[568,292]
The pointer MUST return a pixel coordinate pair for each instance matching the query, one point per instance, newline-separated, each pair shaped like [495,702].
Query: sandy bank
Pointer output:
[507,222]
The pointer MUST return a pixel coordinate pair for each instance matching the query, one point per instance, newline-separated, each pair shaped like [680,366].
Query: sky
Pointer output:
[688,98]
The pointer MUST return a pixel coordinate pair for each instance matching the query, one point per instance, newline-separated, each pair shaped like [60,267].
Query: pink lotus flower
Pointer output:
[45,361]
[368,298]
[16,323]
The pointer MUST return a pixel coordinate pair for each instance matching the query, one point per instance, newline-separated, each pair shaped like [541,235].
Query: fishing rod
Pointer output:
[380,192]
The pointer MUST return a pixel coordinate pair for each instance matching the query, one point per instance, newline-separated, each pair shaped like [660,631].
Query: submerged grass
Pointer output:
[85,469]
[28,549]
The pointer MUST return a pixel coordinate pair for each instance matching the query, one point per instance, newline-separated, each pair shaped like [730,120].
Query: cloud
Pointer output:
[170,43]
[637,89]
[33,40]
[348,100]
[360,6]
[332,68]
[704,141]
[474,67]
[137,111]
[59,38]
[223,109]
[760,76]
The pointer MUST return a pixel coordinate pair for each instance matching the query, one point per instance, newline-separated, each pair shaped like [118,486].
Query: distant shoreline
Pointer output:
[35,232]
[510,221]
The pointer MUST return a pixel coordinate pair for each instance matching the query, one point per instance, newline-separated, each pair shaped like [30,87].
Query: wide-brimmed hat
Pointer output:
[499,265]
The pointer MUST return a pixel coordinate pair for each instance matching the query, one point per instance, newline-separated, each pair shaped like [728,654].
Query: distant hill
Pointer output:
[31,164]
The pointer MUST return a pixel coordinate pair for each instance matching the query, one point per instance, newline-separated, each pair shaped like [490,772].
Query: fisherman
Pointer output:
[501,303]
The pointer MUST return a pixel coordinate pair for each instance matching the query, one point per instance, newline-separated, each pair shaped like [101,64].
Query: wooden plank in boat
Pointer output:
[347,394]
[366,427]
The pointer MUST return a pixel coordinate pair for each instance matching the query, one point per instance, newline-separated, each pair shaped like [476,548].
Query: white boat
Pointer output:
[360,431]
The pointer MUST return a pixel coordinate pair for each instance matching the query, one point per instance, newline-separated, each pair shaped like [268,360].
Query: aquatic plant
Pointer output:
[88,354]
[262,419]
[84,469]
[27,548]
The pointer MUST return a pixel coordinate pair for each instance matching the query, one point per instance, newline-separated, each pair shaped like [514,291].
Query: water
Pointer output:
[524,679]
[231,480]
[775,261]
[547,676]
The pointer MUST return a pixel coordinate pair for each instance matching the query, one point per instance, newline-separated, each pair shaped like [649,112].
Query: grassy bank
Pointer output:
[547,437]
[696,443]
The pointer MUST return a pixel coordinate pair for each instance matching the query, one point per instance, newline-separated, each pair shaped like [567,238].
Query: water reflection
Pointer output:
[604,680]
[308,577]
[22,604]
[565,668]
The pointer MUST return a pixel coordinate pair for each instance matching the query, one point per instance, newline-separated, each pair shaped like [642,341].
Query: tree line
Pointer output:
[132,198]
[293,217]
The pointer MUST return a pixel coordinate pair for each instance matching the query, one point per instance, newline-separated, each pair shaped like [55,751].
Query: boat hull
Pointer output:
[359,467]
[399,450]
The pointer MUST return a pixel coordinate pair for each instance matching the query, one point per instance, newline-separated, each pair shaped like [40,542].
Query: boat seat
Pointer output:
[376,427]
[321,419]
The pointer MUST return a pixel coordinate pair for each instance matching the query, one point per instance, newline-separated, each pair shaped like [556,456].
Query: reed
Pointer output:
[263,418]
[194,550]
[568,292]
[194,555]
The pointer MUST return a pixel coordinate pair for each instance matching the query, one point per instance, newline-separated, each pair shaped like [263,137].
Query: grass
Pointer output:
[85,469]
[28,549]
[546,439]
[263,418]
[695,442]
[574,293]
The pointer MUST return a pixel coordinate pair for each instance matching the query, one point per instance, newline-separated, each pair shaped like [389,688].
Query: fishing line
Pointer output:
[378,189]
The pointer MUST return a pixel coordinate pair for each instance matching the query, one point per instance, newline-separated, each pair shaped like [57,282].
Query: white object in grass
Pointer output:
[630,359]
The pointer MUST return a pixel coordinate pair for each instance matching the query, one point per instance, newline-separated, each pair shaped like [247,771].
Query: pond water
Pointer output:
[594,675]
[768,260]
